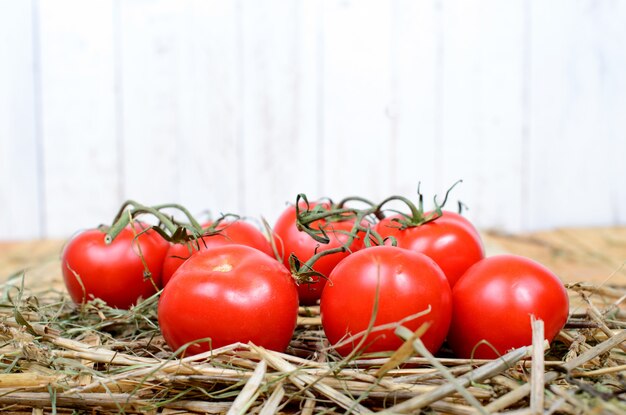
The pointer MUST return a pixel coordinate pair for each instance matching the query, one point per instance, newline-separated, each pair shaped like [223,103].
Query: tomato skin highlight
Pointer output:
[450,240]
[289,240]
[232,293]
[243,233]
[494,300]
[230,232]
[113,272]
[408,283]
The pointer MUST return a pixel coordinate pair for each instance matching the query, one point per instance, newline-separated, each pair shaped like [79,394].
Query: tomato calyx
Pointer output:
[303,273]
[217,226]
[319,220]
[417,215]
[314,218]
[168,228]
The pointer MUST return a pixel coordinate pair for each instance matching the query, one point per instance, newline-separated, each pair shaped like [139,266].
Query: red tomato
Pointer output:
[494,300]
[408,283]
[232,293]
[450,240]
[243,233]
[289,240]
[113,272]
[230,232]
[175,256]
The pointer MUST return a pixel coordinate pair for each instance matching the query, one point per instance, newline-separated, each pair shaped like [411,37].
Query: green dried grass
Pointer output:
[57,357]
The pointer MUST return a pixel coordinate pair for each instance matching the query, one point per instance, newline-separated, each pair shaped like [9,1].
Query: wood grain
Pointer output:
[596,255]
[37,261]
[235,106]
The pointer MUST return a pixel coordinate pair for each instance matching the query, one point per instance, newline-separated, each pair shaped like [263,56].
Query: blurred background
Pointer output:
[238,106]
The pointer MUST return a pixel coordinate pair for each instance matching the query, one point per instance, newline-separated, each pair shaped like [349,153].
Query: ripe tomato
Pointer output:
[114,272]
[407,282]
[231,293]
[494,300]
[290,240]
[229,232]
[450,240]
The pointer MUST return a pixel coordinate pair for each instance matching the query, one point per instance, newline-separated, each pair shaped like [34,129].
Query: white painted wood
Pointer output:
[151,42]
[280,147]
[482,123]
[613,95]
[20,175]
[180,88]
[415,110]
[81,170]
[209,71]
[577,110]
[357,99]
[237,106]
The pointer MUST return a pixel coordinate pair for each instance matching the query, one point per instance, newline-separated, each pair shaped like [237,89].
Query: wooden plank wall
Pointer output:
[238,106]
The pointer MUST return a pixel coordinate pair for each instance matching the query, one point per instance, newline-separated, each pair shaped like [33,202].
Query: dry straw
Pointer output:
[57,358]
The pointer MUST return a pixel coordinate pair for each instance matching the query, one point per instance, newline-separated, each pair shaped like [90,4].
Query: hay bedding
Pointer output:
[60,358]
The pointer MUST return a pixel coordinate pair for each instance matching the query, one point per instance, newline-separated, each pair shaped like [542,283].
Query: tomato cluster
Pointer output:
[226,281]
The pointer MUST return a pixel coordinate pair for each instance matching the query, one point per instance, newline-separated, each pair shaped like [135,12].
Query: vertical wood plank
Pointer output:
[237,106]
[280,93]
[357,94]
[20,175]
[577,123]
[209,151]
[181,128]
[415,111]
[613,91]
[483,81]
[151,47]
[78,114]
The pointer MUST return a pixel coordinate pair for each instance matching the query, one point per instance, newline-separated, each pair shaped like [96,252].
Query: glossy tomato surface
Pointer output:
[228,232]
[450,240]
[494,300]
[407,283]
[114,272]
[231,293]
[243,233]
[289,240]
